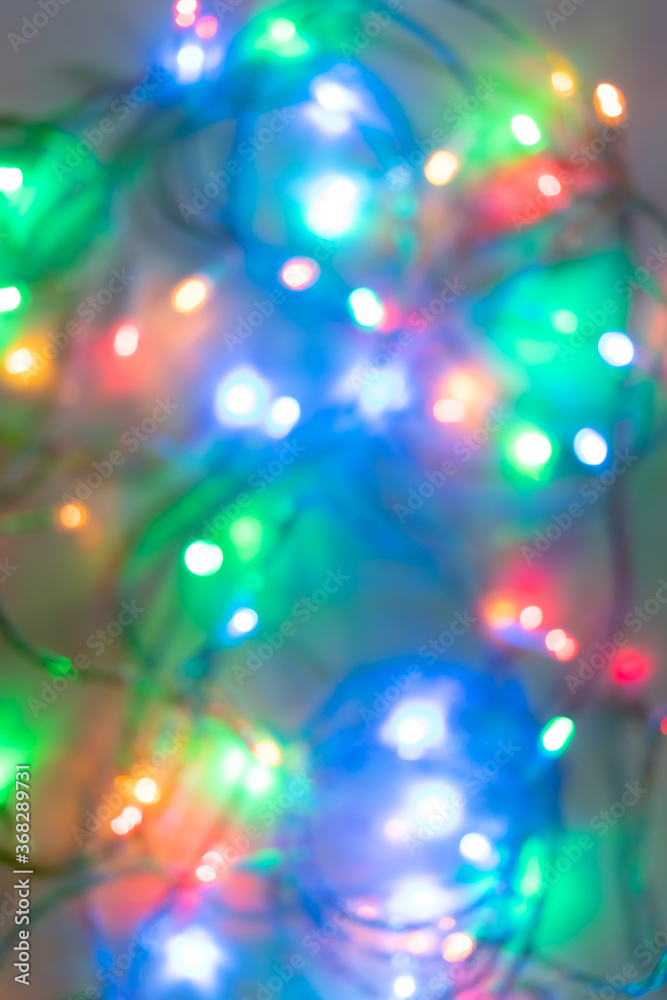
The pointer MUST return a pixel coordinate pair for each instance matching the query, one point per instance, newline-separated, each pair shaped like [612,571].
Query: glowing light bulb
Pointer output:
[564,320]
[132,815]
[258,779]
[188,295]
[190,59]
[267,753]
[562,83]
[525,130]
[449,411]
[457,947]
[205,873]
[441,167]
[185,20]
[72,515]
[192,955]
[404,986]
[331,206]
[533,449]
[609,100]
[240,398]
[385,392]
[186,6]
[120,826]
[145,790]
[416,726]
[126,340]
[549,185]
[476,847]
[366,307]
[557,734]
[629,667]
[207,26]
[299,273]
[531,617]
[555,639]
[332,95]
[203,558]
[242,621]
[590,447]
[282,30]
[11,179]
[10,298]
[566,650]
[663,726]
[283,415]
[616,349]
[18,361]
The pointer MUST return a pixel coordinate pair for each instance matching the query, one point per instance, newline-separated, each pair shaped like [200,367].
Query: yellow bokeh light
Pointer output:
[267,753]
[18,361]
[188,295]
[562,83]
[441,167]
[73,515]
[609,101]
[145,790]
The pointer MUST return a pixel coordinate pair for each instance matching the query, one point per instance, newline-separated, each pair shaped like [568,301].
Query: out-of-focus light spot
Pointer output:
[567,650]
[186,6]
[203,558]
[549,185]
[555,639]
[132,815]
[663,726]
[332,95]
[282,30]
[240,398]
[533,449]
[609,100]
[126,340]
[207,26]
[192,955]
[457,947]
[417,899]
[562,83]
[258,779]
[396,828]
[366,912]
[11,179]
[385,392]
[234,763]
[501,613]
[441,167]
[18,361]
[437,805]
[629,667]
[72,515]
[404,986]
[145,790]
[564,320]
[417,726]
[531,617]
[419,942]
[188,295]
[10,298]
[120,826]
[185,20]
[449,411]
[557,734]
[283,415]
[476,847]
[243,620]
[462,386]
[446,923]
[246,534]
[616,349]
[299,273]
[331,206]
[366,307]
[267,753]
[590,447]
[190,59]
[526,130]
[205,873]
[213,860]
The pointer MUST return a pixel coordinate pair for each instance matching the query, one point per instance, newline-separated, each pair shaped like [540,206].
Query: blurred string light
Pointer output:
[441,167]
[192,955]
[126,340]
[331,206]
[476,847]
[203,558]
[549,185]
[404,986]
[267,753]
[533,449]
[19,361]
[189,295]
[563,83]
[590,447]
[449,411]
[190,60]
[10,298]
[299,273]
[616,349]
[385,392]
[332,95]
[146,790]
[557,735]
[457,947]
[11,179]
[207,26]
[240,398]
[283,415]
[609,101]
[72,515]
[564,320]
[531,617]
[366,307]
[243,620]
[525,130]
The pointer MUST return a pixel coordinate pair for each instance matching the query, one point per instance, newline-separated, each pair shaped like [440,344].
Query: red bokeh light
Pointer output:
[629,667]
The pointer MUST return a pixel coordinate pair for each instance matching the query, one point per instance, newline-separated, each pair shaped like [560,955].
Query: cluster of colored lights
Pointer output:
[145,791]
